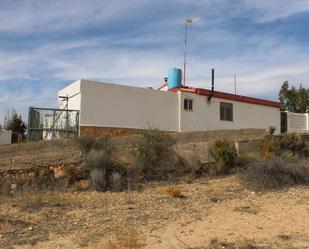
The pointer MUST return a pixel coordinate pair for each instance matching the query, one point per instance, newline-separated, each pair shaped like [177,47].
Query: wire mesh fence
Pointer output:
[47,124]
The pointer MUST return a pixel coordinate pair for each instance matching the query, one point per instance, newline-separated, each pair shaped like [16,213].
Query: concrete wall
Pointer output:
[5,137]
[298,122]
[110,105]
[63,152]
[206,116]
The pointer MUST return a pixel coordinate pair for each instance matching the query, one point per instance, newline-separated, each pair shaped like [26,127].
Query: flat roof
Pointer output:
[228,96]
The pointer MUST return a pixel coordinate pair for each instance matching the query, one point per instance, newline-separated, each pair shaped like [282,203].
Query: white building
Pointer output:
[181,109]
[5,137]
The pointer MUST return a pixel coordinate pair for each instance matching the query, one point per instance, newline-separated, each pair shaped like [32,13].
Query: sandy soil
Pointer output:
[221,209]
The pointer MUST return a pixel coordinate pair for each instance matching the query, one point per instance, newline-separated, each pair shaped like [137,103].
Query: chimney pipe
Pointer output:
[212,84]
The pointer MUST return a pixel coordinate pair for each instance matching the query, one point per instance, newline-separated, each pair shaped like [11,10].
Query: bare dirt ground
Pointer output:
[222,209]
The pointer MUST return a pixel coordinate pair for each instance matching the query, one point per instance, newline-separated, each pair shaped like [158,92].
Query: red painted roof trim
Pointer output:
[164,85]
[228,96]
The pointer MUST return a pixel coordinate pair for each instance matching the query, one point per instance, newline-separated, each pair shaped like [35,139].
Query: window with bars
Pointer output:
[188,104]
[226,111]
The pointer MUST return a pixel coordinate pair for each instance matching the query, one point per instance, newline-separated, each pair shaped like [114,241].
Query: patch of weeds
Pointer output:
[36,201]
[252,246]
[126,238]
[217,196]
[284,237]
[215,244]
[174,192]
[215,199]
[246,209]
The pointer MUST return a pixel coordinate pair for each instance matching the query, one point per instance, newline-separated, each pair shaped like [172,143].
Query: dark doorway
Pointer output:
[284,122]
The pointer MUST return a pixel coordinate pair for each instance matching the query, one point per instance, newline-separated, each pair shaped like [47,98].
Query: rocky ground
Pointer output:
[210,213]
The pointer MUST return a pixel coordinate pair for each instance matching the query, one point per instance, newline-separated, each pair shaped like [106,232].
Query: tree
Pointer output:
[293,99]
[14,122]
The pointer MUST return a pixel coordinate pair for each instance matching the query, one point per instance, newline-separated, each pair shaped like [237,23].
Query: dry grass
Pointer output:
[277,145]
[174,192]
[247,209]
[276,173]
[216,244]
[125,239]
[35,201]
[162,220]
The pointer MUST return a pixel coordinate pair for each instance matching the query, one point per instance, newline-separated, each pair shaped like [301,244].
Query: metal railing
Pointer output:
[49,123]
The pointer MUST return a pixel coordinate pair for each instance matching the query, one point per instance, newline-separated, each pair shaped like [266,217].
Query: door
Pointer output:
[284,122]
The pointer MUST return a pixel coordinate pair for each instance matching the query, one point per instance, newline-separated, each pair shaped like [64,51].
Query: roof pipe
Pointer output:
[212,84]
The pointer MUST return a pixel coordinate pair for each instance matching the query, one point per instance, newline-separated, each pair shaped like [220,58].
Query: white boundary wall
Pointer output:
[5,137]
[298,122]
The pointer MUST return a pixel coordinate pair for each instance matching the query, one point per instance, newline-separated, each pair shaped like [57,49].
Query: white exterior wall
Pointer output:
[298,122]
[73,92]
[110,105]
[119,106]
[206,116]
[5,137]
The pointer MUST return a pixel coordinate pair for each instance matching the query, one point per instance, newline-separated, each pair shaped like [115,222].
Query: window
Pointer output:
[188,104]
[226,111]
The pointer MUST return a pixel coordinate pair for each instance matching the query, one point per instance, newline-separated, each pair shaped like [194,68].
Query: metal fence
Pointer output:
[47,124]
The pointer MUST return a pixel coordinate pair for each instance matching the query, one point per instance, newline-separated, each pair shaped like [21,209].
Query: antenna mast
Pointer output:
[235,83]
[189,20]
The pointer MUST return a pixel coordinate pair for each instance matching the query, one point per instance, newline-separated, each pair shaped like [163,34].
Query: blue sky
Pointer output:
[45,45]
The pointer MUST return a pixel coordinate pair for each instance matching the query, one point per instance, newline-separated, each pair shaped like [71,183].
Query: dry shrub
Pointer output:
[287,143]
[225,157]
[75,173]
[98,161]
[100,164]
[87,143]
[217,195]
[81,185]
[5,185]
[155,156]
[125,239]
[276,172]
[216,244]
[174,192]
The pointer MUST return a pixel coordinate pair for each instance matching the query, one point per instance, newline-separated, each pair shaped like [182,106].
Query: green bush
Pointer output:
[225,156]
[271,130]
[155,155]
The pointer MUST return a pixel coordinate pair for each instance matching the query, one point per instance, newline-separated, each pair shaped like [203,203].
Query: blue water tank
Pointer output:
[174,78]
